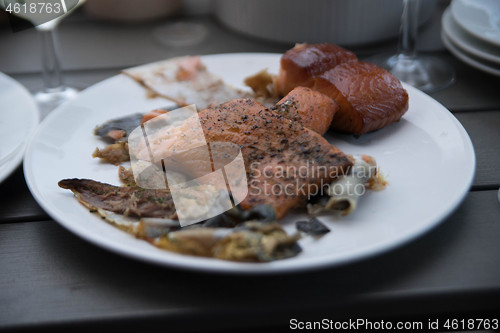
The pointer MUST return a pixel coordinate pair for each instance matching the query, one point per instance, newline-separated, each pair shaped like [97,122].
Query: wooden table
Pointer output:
[51,279]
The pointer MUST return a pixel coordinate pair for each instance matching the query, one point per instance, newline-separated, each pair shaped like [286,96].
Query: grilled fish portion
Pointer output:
[129,201]
[269,142]
[284,161]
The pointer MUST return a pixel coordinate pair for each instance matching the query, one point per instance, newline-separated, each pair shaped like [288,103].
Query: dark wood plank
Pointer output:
[50,277]
[473,89]
[16,202]
[484,129]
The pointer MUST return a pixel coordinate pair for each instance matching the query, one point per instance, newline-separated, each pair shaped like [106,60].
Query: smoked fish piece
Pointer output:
[311,108]
[302,63]
[285,162]
[369,97]
[269,143]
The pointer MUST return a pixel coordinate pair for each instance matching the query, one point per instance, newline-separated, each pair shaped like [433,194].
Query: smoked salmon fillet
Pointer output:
[303,62]
[269,143]
[285,162]
[311,108]
[369,97]
[308,107]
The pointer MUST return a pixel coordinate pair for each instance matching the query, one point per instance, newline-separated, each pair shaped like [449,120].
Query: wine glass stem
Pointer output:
[51,68]
[409,29]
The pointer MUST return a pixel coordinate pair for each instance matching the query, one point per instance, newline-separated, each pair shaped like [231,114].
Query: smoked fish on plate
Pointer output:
[284,160]
[368,96]
[311,108]
[303,62]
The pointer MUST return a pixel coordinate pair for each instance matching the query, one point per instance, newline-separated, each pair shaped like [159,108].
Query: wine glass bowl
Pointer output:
[55,92]
[428,73]
[45,16]
[425,72]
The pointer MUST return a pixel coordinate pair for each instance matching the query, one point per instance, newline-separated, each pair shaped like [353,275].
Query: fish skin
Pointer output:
[129,201]
[109,130]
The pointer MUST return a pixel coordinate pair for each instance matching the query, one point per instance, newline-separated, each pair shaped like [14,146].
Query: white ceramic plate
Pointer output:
[466,41]
[18,120]
[427,157]
[481,18]
[469,59]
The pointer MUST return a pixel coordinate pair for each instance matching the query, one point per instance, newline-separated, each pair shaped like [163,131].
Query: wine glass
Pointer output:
[55,92]
[426,72]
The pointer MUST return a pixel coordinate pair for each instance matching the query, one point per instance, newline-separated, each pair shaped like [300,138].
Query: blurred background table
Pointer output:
[51,279]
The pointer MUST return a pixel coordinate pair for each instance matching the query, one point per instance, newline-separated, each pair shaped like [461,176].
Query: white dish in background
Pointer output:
[469,59]
[467,42]
[427,158]
[18,120]
[343,22]
[481,18]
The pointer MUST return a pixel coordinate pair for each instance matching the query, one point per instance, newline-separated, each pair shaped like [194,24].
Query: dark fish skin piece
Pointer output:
[129,201]
[126,124]
[237,215]
[312,227]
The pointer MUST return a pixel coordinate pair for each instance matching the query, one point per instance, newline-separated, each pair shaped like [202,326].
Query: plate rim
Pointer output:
[449,23]
[467,58]
[483,37]
[33,114]
[185,262]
